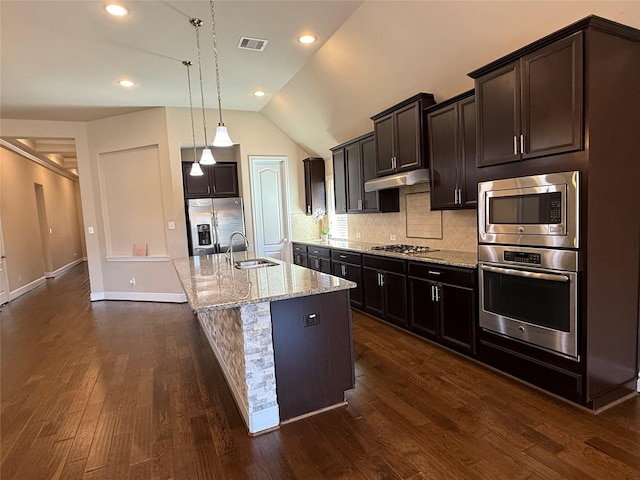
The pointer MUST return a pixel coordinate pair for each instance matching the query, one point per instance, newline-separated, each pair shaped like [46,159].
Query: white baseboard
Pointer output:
[63,269]
[256,422]
[26,288]
[140,297]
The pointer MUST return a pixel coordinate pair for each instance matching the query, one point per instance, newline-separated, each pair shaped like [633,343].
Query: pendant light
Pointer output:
[222,138]
[207,156]
[196,170]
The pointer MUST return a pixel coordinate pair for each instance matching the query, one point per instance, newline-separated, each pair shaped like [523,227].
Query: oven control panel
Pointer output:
[522,257]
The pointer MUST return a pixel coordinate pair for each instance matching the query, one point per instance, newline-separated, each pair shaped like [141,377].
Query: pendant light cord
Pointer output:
[197,23]
[215,57]
[187,64]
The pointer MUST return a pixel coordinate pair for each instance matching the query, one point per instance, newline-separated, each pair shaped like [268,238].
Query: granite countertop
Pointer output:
[211,283]
[444,257]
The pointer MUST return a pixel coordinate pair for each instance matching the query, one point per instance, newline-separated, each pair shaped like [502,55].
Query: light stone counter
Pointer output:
[443,257]
[211,283]
[233,307]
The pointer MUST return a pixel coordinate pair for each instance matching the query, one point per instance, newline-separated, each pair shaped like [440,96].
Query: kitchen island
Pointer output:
[281,334]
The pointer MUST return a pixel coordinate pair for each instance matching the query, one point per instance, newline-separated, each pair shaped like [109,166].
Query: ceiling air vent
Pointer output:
[255,44]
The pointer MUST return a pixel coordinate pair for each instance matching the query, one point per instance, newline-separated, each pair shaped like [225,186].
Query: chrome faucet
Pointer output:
[229,252]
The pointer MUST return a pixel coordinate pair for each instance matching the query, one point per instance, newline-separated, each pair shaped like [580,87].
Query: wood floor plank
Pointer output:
[116,390]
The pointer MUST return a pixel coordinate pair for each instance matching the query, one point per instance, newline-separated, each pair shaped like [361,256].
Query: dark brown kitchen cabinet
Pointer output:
[314,186]
[339,180]
[399,134]
[354,164]
[319,258]
[299,254]
[442,304]
[348,265]
[219,180]
[452,153]
[531,107]
[384,283]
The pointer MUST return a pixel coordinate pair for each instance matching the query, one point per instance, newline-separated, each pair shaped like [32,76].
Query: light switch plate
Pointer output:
[171,225]
[90,230]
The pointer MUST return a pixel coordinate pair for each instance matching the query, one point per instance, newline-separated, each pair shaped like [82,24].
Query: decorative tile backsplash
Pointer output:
[414,224]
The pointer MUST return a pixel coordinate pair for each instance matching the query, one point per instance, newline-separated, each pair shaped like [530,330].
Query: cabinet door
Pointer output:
[354,178]
[395,299]
[422,308]
[340,181]
[300,259]
[468,180]
[498,106]
[444,156]
[457,317]
[195,187]
[408,132]
[352,273]
[314,186]
[372,292]
[552,98]
[224,180]
[368,161]
[384,139]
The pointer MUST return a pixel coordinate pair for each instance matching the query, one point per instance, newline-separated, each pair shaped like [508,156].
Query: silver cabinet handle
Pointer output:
[522,143]
[433,272]
[208,189]
[382,279]
[360,204]
[342,256]
[437,290]
[515,145]
[344,271]
[432,295]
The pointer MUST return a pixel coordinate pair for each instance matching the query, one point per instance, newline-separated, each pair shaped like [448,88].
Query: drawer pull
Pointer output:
[432,272]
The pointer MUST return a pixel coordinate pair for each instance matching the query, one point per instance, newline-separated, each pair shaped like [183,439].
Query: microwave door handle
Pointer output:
[520,273]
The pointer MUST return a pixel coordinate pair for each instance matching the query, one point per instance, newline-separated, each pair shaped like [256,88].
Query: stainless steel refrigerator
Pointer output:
[211,222]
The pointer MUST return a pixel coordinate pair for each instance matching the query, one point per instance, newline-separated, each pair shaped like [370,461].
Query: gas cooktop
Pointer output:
[401,248]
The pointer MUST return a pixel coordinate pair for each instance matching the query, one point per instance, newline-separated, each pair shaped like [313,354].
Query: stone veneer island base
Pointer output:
[281,335]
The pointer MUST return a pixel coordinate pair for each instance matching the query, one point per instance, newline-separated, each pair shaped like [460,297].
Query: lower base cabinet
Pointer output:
[348,265]
[385,284]
[442,305]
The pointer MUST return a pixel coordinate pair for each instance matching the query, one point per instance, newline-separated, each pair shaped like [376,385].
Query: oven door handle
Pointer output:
[520,273]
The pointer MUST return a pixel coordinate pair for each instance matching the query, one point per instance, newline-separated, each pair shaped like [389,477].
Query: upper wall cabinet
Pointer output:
[314,186]
[531,107]
[452,153]
[399,135]
[219,180]
[354,164]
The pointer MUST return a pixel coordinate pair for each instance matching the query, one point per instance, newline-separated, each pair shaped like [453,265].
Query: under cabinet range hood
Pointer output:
[397,180]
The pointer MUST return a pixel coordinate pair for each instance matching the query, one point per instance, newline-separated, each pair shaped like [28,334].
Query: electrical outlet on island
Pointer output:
[392,236]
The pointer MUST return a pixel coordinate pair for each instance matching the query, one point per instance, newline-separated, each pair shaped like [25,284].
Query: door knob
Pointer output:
[284,240]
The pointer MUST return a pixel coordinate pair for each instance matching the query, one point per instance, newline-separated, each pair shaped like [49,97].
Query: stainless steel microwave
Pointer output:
[538,210]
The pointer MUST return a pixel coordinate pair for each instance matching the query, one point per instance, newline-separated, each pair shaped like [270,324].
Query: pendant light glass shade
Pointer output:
[207,157]
[222,137]
[196,170]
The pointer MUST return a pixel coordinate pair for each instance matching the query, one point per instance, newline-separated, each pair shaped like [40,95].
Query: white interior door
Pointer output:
[270,202]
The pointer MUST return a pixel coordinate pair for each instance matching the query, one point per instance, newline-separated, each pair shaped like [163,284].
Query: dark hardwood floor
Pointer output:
[116,390]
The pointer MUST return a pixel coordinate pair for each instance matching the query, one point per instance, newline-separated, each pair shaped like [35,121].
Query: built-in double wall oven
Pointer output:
[528,259]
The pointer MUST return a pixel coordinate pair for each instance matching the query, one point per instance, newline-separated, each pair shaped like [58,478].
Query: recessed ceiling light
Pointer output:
[259,93]
[306,39]
[126,83]
[116,9]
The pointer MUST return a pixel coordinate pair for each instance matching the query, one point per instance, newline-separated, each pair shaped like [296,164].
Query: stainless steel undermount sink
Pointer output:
[254,263]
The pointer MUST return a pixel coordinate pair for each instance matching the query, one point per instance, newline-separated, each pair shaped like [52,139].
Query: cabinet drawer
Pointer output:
[318,251]
[346,257]
[382,263]
[464,277]
[299,248]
